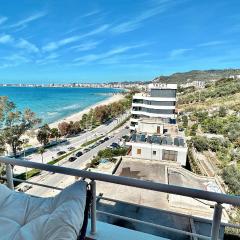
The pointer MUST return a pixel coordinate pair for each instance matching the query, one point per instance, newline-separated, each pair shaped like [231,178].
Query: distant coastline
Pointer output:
[54,104]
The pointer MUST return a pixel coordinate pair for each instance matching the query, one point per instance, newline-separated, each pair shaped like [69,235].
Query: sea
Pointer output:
[53,104]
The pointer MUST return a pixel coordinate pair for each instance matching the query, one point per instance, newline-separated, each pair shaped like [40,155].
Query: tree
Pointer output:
[14,124]
[54,133]
[41,150]
[200,143]
[43,134]
[63,128]
[231,176]
[194,129]
[185,121]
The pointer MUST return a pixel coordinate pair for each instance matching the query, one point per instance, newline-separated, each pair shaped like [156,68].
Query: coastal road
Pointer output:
[58,179]
[76,142]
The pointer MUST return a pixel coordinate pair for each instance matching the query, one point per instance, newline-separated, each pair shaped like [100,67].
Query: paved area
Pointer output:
[76,142]
[59,180]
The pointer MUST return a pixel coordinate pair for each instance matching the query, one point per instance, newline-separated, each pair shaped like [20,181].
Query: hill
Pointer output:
[197,75]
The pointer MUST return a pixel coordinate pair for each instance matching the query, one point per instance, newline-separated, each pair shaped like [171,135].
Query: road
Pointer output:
[76,142]
[58,179]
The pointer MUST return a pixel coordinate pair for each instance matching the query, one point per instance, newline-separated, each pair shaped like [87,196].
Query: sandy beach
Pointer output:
[77,116]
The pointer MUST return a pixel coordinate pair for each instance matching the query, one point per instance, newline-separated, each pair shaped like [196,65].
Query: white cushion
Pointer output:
[23,217]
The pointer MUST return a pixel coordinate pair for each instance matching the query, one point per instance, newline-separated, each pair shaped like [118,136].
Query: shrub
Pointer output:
[200,143]
[231,176]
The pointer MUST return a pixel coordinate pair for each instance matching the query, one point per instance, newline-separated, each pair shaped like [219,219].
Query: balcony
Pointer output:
[109,225]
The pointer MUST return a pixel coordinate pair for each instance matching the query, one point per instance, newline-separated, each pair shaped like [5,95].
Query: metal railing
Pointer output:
[218,198]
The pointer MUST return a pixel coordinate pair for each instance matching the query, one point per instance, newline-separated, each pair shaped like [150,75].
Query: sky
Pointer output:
[63,41]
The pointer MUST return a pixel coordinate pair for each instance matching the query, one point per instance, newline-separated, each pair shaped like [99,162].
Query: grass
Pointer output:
[91,141]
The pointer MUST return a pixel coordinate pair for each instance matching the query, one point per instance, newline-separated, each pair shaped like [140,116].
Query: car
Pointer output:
[78,154]
[101,141]
[114,145]
[106,139]
[127,127]
[72,159]
[71,148]
[60,153]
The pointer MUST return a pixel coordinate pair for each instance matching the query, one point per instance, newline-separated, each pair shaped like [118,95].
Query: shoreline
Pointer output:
[77,116]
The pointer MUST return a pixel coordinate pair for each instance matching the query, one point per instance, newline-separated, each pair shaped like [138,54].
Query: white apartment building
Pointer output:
[159,102]
[157,140]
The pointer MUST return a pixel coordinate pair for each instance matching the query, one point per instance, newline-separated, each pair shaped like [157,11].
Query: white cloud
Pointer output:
[13,61]
[89,14]
[48,59]
[27,20]
[211,43]
[131,25]
[86,46]
[57,44]
[95,57]
[24,44]
[3,20]
[18,43]
[5,38]
[179,52]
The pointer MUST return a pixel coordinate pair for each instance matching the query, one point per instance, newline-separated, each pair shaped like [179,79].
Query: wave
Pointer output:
[52,113]
[70,107]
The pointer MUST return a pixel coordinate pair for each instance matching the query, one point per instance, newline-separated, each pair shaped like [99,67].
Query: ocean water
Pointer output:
[52,104]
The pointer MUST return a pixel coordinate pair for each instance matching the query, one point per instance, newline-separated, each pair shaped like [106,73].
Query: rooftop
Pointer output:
[177,141]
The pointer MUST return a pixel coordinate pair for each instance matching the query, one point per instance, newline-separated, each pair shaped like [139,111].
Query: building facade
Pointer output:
[157,140]
[159,102]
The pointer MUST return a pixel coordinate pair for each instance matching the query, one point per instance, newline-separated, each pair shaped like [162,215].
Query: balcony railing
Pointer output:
[218,198]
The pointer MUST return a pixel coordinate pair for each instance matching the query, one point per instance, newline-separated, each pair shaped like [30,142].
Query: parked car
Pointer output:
[106,138]
[127,127]
[101,141]
[115,145]
[78,154]
[72,159]
[71,148]
[61,153]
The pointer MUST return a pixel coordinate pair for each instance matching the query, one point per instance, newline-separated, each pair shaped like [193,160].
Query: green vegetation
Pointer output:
[108,154]
[97,116]
[197,75]
[14,124]
[120,124]
[91,141]
[215,110]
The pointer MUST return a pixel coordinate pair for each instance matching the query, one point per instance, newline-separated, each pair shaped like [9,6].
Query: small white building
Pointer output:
[156,140]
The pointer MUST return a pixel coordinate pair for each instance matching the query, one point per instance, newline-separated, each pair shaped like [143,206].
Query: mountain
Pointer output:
[197,75]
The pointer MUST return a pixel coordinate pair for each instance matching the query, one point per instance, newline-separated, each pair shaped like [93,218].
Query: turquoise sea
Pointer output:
[52,104]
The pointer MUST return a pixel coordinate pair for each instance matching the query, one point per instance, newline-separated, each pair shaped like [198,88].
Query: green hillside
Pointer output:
[197,75]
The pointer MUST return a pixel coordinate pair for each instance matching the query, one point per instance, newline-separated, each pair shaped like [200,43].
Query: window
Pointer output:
[155,153]
[139,151]
[169,155]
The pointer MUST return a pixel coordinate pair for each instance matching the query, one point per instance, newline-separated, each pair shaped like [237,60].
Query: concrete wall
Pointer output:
[150,128]
[147,152]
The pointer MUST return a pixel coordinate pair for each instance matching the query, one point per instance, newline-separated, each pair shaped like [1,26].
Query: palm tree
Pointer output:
[41,150]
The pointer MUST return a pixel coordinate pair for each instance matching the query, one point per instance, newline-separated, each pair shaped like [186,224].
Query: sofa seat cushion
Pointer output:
[24,217]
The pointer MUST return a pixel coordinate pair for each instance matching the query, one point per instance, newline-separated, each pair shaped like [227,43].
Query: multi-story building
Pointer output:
[158,140]
[159,102]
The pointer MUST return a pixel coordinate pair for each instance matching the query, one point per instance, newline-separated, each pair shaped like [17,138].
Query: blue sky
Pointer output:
[123,40]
